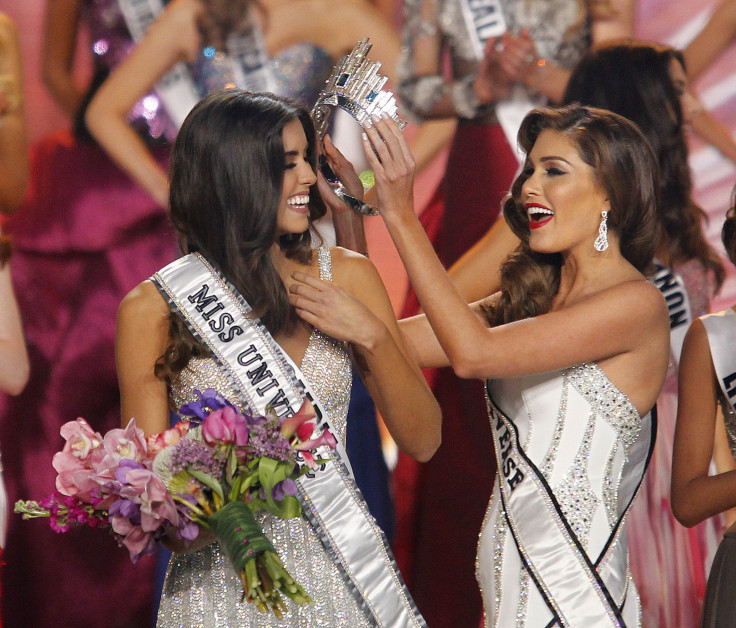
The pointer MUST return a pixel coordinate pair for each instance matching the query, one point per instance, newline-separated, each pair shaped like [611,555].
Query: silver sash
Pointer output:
[721,330]
[262,374]
[672,287]
[548,547]
[249,62]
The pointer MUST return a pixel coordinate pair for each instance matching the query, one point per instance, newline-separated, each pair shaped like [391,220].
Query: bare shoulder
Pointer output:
[143,306]
[349,266]
[640,296]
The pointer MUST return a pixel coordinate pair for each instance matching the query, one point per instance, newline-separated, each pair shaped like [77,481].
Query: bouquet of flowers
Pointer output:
[216,470]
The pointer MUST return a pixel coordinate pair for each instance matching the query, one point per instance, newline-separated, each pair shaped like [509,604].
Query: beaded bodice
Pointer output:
[326,366]
[578,428]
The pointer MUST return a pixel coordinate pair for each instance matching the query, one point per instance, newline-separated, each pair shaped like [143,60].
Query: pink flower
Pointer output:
[81,439]
[129,443]
[225,426]
[148,490]
[301,423]
[326,438]
[157,442]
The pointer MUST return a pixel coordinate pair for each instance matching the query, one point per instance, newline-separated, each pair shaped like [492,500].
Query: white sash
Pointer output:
[262,374]
[484,19]
[672,287]
[721,330]
[578,591]
[249,61]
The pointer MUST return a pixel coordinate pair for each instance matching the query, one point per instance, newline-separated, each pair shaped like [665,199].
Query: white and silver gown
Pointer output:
[582,451]
[201,588]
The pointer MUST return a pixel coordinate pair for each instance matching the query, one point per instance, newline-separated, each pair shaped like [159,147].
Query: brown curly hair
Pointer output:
[623,163]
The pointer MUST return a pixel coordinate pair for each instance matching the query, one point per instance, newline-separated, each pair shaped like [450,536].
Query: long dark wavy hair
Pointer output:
[728,231]
[227,173]
[633,79]
[623,164]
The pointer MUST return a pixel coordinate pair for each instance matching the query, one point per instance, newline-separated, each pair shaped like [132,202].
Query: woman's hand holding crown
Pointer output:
[393,167]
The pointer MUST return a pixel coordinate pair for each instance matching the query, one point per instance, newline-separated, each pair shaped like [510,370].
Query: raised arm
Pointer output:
[356,308]
[59,45]
[13,143]
[696,495]
[173,37]
[142,336]
[14,366]
[629,318]
[718,33]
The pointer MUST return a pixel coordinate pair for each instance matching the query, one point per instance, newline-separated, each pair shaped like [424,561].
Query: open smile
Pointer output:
[539,215]
[299,203]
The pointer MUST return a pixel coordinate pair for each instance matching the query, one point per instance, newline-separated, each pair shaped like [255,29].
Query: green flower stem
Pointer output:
[254,559]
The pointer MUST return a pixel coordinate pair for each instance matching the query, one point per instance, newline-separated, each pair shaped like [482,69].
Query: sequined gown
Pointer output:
[479,152]
[578,429]
[201,588]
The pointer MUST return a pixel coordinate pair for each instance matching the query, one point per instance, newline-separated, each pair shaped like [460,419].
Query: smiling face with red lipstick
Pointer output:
[562,196]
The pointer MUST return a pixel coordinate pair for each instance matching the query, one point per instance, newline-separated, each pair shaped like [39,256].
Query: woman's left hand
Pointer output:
[333,311]
[392,164]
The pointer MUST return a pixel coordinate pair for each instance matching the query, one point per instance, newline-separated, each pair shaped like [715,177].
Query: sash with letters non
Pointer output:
[721,329]
[579,590]
[249,62]
[672,287]
[264,375]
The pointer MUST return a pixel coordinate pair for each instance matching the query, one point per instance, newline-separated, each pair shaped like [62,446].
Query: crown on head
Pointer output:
[356,87]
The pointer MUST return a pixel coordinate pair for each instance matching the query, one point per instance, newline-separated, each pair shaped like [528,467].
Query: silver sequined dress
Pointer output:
[201,588]
[578,429]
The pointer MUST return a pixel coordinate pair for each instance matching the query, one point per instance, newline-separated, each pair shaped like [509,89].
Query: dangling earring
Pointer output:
[601,242]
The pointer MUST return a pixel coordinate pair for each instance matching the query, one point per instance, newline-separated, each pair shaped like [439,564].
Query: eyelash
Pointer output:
[553,172]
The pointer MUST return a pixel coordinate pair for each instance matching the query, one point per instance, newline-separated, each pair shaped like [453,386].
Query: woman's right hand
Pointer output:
[393,166]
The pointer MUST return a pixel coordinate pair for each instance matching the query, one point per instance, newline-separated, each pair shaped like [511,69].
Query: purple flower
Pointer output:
[209,401]
[192,454]
[283,488]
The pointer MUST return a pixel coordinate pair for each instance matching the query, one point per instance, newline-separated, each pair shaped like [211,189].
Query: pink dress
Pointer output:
[85,236]
[668,561]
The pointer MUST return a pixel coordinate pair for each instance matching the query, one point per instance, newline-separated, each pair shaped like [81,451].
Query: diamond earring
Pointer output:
[601,242]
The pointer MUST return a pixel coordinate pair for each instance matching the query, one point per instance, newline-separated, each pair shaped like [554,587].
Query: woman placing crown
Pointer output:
[574,349]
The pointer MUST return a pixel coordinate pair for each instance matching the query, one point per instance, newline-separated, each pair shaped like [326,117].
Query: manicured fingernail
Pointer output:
[368,124]
[365,137]
[375,118]
[385,115]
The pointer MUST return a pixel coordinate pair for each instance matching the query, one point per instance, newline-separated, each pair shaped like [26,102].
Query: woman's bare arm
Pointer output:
[59,45]
[173,37]
[14,366]
[696,495]
[718,33]
[356,308]
[13,142]
[142,336]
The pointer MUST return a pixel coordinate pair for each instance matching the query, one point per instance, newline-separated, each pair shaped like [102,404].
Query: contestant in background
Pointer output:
[575,349]
[647,84]
[530,59]
[13,179]
[85,235]
[707,398]
[244,195]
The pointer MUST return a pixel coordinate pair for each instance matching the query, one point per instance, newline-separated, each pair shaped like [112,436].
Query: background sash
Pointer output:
[721,330]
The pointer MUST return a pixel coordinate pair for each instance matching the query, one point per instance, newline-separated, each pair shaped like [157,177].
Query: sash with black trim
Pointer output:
[263,375]
[248,59]
[721,330]
[579,590]
[672,287]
